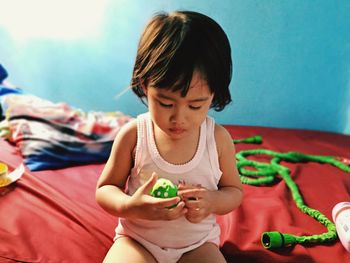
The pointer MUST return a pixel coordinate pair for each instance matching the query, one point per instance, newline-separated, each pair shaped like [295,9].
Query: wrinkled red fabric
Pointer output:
[52,215]
[271,208]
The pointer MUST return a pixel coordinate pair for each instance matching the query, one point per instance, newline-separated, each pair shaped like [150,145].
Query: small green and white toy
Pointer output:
[164,188]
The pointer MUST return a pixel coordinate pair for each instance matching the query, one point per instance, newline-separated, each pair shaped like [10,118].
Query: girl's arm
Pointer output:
[110,193]
[112,181]
[230,193]
[202,202]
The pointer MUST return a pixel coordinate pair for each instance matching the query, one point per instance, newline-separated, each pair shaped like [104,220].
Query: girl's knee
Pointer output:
[208,252]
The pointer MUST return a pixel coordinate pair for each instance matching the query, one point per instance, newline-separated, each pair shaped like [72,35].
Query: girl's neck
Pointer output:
[179,151]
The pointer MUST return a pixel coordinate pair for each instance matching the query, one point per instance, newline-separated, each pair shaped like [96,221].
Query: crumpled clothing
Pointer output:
[55,135]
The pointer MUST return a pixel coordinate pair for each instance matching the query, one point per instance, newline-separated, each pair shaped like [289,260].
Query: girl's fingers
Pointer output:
[191,194]
[170,212]
[182,186]
[175,212]
[192,205]
[166,202]
[195,215]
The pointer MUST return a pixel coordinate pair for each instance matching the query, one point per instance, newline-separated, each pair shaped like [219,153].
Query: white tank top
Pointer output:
[203,169]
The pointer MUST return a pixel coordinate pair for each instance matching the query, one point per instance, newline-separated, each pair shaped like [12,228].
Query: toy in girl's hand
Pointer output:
[164,188]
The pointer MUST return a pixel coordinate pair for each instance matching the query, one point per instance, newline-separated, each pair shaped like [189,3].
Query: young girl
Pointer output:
[183,68]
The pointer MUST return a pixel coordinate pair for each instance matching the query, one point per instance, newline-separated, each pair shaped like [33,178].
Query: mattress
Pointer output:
[52,216]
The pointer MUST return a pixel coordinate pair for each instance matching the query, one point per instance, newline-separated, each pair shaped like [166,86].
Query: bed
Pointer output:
[50,213]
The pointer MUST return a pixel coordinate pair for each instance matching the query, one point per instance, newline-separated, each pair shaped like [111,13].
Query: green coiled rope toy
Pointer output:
[265,173]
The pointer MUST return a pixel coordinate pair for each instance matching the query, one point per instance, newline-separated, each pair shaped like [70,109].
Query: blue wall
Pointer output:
[291,58]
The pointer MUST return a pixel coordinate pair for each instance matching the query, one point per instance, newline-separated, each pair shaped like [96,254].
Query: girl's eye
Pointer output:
[194,107]
[165,105]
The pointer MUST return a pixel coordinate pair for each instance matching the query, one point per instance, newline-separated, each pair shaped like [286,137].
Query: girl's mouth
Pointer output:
[176,130]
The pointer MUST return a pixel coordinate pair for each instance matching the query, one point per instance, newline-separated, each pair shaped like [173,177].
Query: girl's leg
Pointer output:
[208,252]
[125,249]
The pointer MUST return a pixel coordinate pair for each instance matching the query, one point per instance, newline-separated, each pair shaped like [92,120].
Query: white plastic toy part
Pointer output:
[341,218]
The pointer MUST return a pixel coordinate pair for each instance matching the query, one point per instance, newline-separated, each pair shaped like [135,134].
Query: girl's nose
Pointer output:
[178,116]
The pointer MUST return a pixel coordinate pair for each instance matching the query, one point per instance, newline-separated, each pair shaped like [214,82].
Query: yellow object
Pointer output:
[7,177]
[3,169]
[4,180]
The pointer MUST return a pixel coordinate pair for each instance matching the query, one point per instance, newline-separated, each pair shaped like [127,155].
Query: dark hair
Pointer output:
[173,45]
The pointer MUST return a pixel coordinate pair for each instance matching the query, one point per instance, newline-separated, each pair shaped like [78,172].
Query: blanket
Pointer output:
[55,135]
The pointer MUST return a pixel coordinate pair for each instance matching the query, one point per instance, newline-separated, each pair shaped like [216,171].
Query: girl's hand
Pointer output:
[198,200]
[142,205]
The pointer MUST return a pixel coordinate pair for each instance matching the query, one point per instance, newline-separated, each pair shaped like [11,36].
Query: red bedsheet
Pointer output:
[52,216]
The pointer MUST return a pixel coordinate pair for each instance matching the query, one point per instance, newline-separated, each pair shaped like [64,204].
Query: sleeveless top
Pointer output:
[203,169]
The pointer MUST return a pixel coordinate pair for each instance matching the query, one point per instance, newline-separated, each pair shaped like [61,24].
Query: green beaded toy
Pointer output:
[164,188]
[265,173]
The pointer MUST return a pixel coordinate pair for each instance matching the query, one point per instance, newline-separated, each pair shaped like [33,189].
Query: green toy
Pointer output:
[265,173]
[164,188]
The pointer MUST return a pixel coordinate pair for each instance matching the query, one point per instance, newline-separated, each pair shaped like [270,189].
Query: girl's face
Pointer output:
[179,116]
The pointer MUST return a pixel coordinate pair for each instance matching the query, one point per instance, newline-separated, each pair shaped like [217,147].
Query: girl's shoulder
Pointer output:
[130,127]
[223,138]
[127,134]
[221,133]
[123,146]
